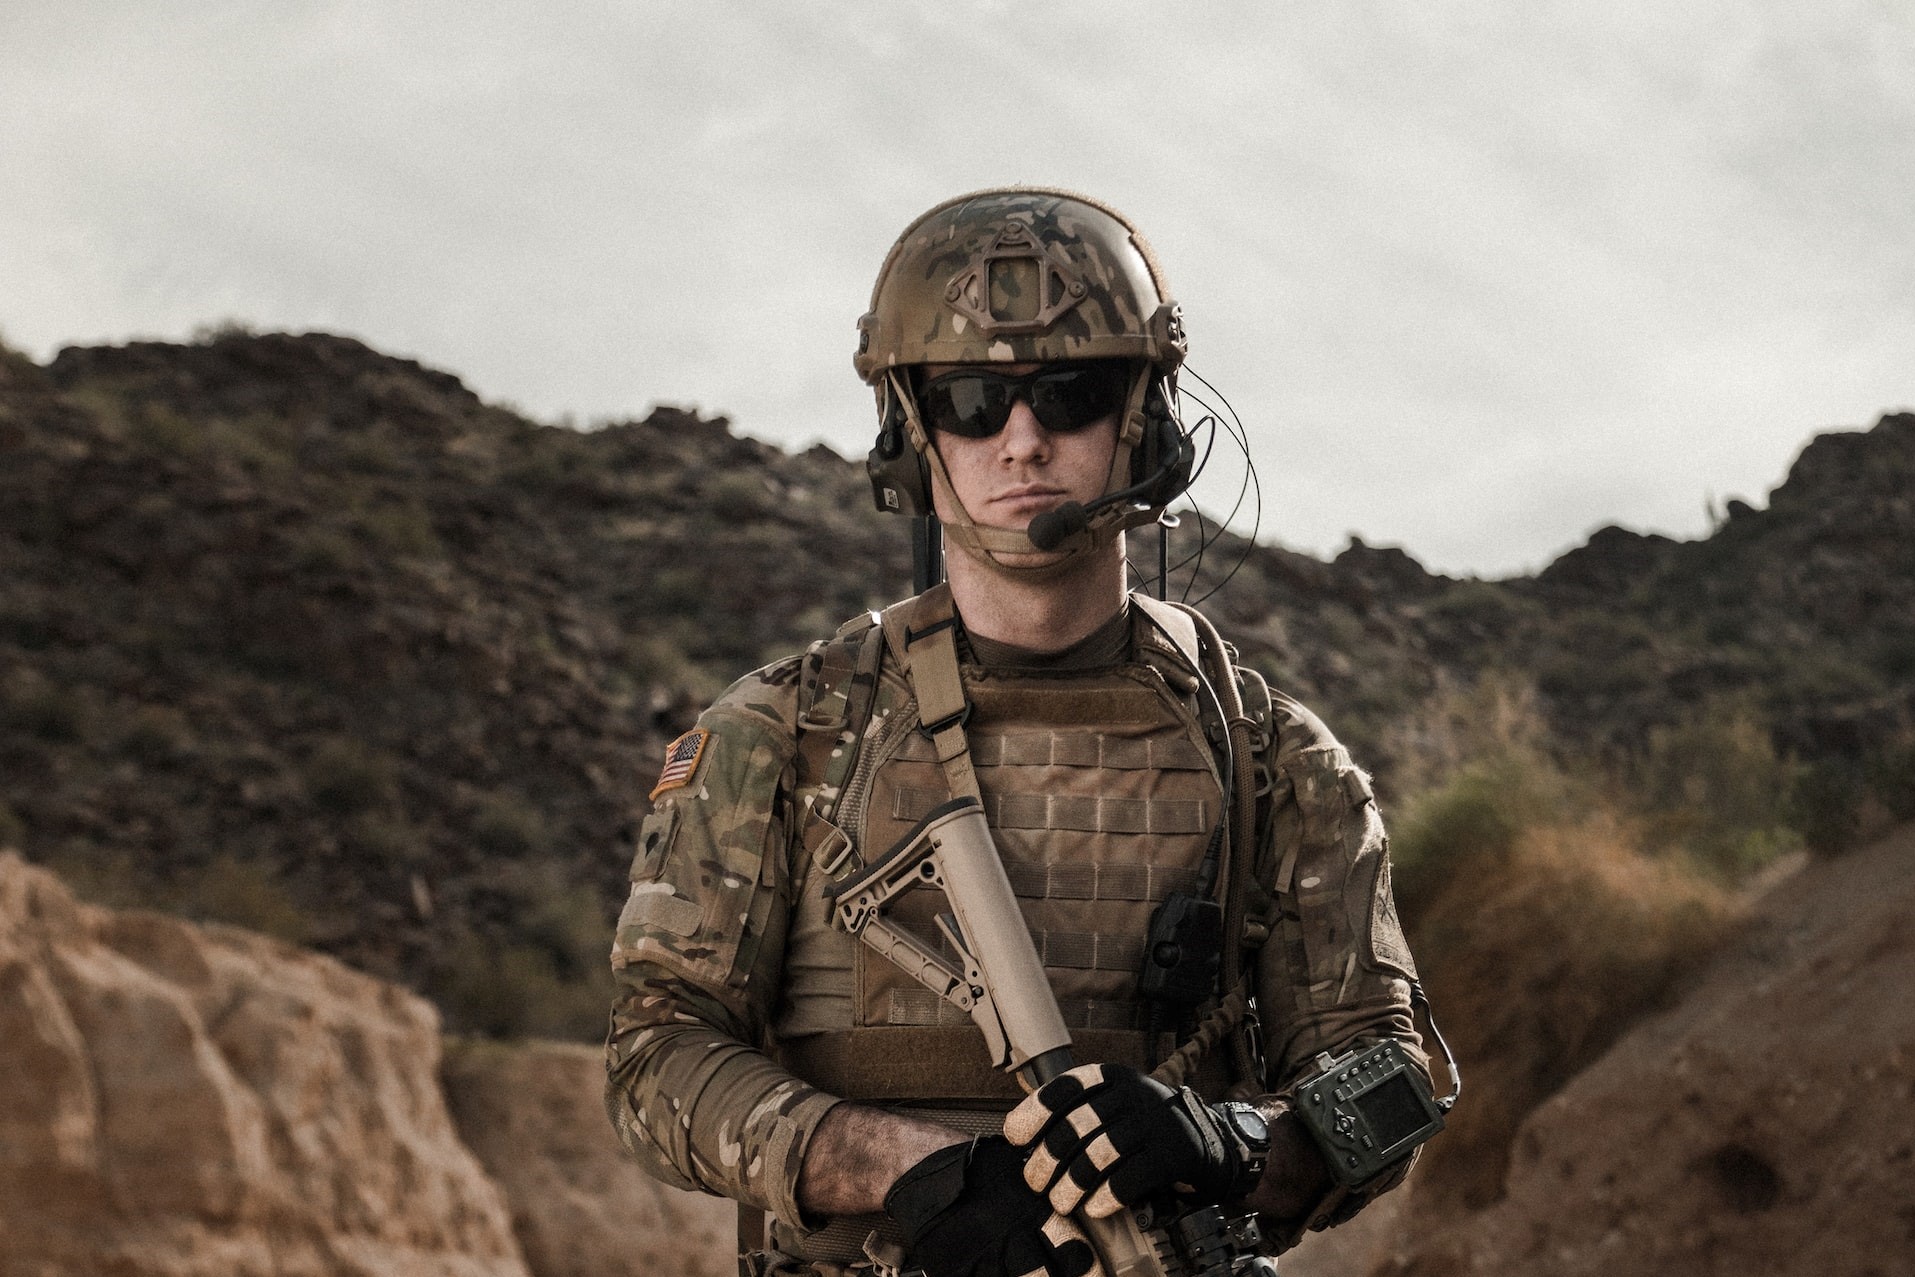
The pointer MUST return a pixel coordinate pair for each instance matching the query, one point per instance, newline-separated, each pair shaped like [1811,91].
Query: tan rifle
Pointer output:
[999,981]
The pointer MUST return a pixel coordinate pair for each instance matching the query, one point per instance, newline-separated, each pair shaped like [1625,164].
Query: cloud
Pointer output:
[1478,278]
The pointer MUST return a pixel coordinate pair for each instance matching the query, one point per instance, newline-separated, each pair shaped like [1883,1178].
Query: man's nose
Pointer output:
[1024,436]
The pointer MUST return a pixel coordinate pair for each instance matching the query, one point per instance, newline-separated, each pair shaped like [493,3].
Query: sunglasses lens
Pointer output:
[975,405]
[971,405]
[1073,398]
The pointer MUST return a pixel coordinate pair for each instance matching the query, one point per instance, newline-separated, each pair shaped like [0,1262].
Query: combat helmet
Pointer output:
[1025,275]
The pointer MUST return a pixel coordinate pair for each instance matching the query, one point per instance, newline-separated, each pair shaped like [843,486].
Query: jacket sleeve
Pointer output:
[697,958]
[1335,969]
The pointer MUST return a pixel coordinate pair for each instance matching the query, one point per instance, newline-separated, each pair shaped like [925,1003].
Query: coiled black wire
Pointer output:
[1218,418]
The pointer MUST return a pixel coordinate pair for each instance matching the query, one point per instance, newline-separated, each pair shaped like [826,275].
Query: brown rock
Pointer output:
[185,1100]
[535,1114]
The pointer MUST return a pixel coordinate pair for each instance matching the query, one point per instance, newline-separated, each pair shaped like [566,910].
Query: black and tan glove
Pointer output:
[1105,1137]
[966,1212]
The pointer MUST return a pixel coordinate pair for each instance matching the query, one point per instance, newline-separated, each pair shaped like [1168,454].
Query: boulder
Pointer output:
[185,1100]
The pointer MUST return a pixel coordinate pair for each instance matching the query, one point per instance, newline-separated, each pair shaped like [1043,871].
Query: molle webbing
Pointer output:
[1071,749]
[1086,813]
[1076,881]
[920,1006]
[905,1062]
[1065,950]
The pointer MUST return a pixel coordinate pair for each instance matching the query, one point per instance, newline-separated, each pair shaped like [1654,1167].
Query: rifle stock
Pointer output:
[1001,983]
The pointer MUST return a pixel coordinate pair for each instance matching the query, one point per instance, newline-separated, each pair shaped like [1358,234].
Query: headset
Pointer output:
[1160,468]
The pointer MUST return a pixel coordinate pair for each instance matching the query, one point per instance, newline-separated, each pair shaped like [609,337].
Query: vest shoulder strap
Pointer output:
[1173,619]
[921,634]
[837,686]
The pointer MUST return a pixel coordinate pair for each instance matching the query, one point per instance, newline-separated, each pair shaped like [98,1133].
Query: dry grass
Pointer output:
[1544,930]
[1552,904]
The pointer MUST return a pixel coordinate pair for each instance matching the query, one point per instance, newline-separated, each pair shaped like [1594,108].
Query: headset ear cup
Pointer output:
[1167,454]
[900,478]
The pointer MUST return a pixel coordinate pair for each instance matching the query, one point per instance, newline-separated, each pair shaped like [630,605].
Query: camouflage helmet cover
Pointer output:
[1019,275]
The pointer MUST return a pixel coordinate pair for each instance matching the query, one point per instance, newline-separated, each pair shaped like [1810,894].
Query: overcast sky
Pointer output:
[1478,277]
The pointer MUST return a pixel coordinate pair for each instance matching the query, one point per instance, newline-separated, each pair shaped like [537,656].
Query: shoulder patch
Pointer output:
[681,761]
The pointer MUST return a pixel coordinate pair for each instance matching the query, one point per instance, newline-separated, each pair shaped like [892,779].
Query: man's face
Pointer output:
[1008,478]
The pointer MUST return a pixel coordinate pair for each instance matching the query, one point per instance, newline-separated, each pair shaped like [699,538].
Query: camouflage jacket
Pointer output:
[703,944]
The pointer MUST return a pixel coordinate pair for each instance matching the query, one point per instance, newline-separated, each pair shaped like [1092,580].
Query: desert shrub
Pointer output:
[539,969]
[653,661]
[1825,805]
[1492,720]
[14,360]
[243,893]
[1891,774]
[260,443]
[344,775]
[1483,606]
[1894,656]
[508,826]
[1819,674]
[1714,787]
[403,528]
[24,625]
[229,329]
[160,429]
[510,991]
[156,734]
[680,590]
[106,406]
[565,918]
[362,452]
[1473,822]
[1597,650]
[326,550]
[52,711]
[1542,943]
[738,497]
[1546,918]
[383,836]
[101,875]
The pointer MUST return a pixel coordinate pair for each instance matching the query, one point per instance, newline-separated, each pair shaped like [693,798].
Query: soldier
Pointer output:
[1023,351]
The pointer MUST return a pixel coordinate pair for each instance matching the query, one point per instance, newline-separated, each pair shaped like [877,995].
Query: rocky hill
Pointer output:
[305,637]
[308,638]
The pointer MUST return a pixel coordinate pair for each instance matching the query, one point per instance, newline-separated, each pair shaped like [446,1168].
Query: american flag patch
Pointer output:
[681,760]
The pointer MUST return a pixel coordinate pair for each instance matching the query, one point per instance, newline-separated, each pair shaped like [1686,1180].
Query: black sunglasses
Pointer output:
[975,403]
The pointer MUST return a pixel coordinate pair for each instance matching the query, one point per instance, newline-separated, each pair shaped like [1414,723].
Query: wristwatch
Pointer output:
[1250,1135]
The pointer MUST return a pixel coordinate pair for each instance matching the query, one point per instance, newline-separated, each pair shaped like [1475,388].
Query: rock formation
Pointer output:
[184,1100]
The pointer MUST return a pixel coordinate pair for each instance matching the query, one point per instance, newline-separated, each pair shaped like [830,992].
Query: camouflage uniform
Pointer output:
[737,1001]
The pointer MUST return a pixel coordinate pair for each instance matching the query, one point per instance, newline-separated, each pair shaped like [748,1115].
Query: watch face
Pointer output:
[1249,1125]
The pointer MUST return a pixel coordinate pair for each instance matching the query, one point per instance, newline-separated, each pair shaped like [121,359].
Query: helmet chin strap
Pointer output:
[985,545]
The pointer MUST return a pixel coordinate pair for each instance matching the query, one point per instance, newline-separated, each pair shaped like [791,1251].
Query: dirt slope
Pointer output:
[1763,1126]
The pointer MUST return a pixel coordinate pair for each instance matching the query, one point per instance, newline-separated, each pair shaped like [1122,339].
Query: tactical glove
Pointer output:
[1105,1137]
[966,1212]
